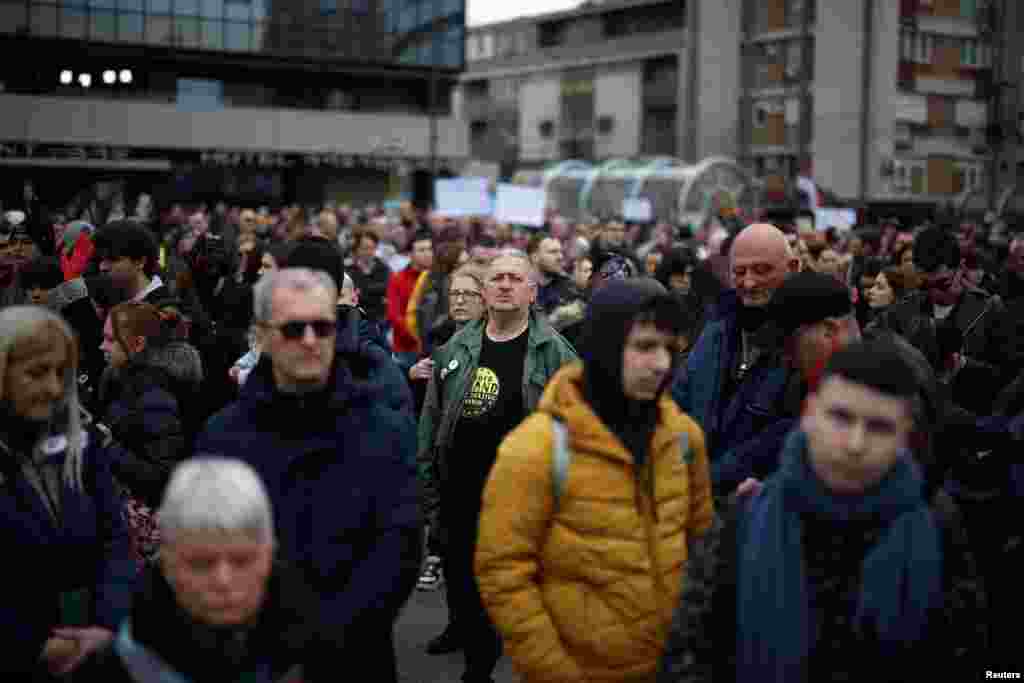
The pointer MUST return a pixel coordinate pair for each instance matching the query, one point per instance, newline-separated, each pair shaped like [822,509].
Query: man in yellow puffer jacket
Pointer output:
[581,548]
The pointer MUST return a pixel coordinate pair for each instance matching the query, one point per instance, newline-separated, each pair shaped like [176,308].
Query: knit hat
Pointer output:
[806,298]
[318,254]
[14,228]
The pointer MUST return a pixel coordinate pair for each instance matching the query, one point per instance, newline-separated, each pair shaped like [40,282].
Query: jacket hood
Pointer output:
[180,360]
[67,293]
[564,400]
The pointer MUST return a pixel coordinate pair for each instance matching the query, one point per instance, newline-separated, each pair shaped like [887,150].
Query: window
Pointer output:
[213,9]
[159,6]
[186,32]
[104,26]
[130,27]
[132,5]
[238,10]
[73,22]
[213,34]
[158,30]
[328,7]
[552,33]
[186,7]
[969,53]
[968,8]
[237,36]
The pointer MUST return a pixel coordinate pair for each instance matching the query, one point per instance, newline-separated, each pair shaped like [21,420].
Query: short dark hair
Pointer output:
[364,233]
[318,254]
[679,261]
[127,239]
[936,247]
[41,273]
[422,236]
[877,364]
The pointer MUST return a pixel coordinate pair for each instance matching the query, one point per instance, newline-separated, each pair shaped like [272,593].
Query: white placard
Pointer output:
[636,209]
[518,205]
[460,197]
[841,219]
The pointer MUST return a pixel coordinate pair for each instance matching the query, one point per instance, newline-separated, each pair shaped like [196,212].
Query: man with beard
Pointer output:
[554,288]
[733,387]
[16,249]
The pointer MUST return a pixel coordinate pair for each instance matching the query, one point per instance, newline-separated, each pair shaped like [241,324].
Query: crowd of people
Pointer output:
[236,440]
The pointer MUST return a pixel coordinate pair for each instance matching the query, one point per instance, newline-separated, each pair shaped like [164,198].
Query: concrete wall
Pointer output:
[618,94]
[886,98]
[718,77]
[839,96]
[134,124]
[539,100]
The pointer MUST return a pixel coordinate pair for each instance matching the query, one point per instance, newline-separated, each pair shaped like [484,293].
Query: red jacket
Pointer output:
[400,288]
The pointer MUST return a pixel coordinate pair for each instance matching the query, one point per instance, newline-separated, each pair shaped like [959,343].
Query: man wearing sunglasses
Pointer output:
[336,456]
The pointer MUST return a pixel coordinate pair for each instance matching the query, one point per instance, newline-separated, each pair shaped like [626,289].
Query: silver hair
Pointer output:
[511,252]
[296,279]
[20,322]
[213,494]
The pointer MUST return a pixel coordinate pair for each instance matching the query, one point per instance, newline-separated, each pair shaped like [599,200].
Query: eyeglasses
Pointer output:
[466,294]
[294,330]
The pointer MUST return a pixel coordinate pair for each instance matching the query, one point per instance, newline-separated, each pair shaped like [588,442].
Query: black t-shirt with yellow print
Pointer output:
[493,408]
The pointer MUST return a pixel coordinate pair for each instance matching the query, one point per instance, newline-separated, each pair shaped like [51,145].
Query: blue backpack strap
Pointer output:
[560,459]
[684,449]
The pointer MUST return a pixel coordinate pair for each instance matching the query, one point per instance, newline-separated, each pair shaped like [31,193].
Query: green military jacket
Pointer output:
[455,365]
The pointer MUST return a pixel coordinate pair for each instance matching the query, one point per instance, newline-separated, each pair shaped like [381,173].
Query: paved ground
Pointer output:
[425,617]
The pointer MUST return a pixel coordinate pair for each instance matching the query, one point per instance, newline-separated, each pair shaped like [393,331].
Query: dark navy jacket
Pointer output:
[340,473]
[745,434]
[88,550]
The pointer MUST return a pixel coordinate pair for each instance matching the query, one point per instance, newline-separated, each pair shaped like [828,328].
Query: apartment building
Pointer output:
[888,102]
[597,82]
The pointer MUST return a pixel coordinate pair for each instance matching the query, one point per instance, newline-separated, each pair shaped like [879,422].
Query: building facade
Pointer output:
[275,99]
[887,102]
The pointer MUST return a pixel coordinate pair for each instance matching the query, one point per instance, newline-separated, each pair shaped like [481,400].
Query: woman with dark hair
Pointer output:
[147,393]
[891,285]
[70,579]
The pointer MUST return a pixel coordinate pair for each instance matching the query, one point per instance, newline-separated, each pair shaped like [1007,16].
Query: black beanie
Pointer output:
[318,254]
[806,298]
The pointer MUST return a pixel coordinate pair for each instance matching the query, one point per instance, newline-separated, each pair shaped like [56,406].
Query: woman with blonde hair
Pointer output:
[72,582]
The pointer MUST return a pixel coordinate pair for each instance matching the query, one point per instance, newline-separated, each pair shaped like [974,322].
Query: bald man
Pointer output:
[733,388]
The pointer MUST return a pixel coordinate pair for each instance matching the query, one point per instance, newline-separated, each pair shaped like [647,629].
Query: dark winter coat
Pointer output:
[88,549]
[151,419]
[273,645]
[339,468]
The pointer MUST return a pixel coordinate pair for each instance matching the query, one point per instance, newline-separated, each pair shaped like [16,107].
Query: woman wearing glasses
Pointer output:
[465,303]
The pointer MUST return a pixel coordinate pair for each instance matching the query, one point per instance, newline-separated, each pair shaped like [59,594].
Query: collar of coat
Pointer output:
[471,337]
[563,399]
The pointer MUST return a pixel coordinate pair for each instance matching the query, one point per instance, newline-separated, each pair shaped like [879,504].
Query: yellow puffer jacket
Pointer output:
[584,590]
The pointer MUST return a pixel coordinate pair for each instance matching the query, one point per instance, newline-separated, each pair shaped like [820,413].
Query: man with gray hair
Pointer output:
[486,379]
[733,386]
[215,607]
[337,459]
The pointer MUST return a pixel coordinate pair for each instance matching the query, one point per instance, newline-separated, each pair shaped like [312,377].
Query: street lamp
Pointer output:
[66,77]
[85,80]
[109,76]
[126,76]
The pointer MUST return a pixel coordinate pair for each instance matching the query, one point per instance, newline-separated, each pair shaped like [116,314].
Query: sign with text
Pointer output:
[518,205]
[461,197]
[636,210]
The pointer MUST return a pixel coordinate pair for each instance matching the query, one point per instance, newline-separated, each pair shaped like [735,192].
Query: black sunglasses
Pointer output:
[296,329]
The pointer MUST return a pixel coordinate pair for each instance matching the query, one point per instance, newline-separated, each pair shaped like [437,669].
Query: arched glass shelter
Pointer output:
[677,191]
